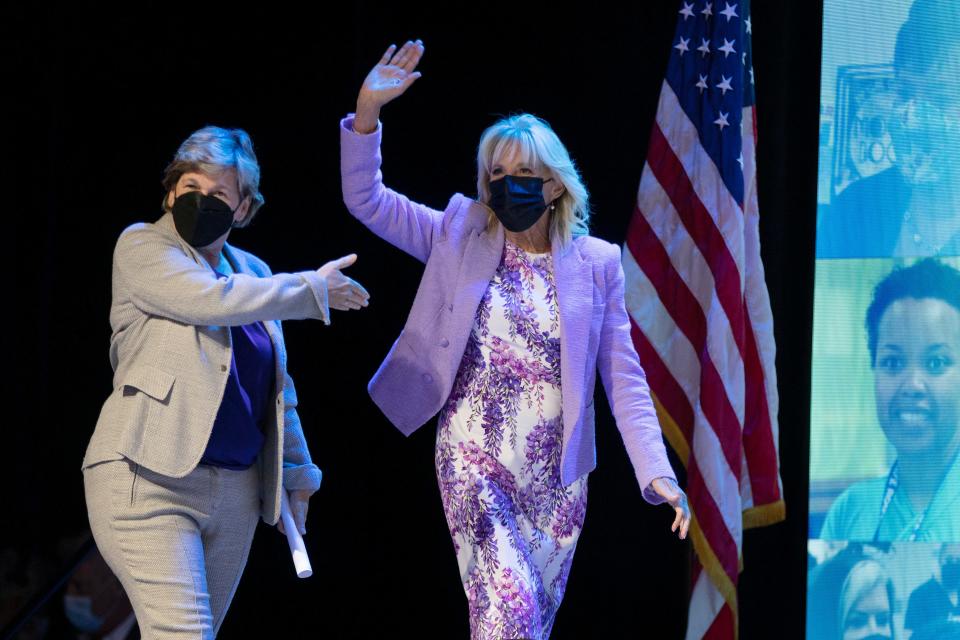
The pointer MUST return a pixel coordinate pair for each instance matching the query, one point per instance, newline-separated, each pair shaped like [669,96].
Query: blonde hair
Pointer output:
[212,150]
[863,579]
[541,148]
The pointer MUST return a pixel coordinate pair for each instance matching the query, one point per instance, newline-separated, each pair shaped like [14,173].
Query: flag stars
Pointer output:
[682,45]
[704,47]
[708,10]
[724,84]
[722,120]
[729,12]
[702,83]
[687,11]
[749,24]
[751,75]
[740,161]
[727,47]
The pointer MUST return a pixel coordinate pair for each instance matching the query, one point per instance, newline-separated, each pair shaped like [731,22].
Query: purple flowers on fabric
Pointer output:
[513,524]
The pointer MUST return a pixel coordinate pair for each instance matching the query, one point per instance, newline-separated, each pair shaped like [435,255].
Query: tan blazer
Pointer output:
[171,352]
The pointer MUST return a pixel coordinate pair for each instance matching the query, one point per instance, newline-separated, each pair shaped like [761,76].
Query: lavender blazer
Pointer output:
[461,257]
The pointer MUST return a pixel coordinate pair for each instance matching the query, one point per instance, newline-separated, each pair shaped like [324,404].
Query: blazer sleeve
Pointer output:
[299,472]
[160,279]
[626,386]
[403,223]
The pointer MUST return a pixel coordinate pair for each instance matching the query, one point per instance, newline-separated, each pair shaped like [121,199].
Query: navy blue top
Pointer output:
[237,435]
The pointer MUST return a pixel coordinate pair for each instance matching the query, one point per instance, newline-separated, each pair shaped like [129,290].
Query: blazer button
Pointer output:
[223,367]
[427,378]
[444,343]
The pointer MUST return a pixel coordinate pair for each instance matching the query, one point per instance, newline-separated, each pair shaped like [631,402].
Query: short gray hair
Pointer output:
[212,150]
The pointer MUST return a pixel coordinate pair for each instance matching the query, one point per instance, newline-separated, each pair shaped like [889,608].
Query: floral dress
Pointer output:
[514,525]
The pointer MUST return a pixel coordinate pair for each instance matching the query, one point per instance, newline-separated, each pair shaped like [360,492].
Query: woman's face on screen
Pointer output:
[917,375]
[869,617]
[925,121]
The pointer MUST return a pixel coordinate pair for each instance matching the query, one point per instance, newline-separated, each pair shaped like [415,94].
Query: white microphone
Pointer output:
[301,561]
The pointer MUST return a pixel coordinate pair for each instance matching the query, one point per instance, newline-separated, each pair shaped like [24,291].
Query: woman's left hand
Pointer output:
[388,79]
[299,503]
[667,489]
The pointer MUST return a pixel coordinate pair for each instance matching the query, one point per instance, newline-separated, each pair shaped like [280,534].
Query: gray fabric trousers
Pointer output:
[178,545]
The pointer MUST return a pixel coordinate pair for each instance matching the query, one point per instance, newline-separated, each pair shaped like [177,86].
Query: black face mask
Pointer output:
[201,219]
[950,574]
[518,201]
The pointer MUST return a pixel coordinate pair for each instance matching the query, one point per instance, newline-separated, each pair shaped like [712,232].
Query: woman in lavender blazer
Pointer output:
[515,298]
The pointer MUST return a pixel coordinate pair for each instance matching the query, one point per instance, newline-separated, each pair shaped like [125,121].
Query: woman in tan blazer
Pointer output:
[200,433]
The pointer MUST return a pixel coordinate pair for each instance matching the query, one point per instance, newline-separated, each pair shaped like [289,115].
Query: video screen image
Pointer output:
[884,528]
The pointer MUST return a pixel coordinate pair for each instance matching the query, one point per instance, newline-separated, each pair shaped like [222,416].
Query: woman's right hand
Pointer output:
[388,79]
[343,293]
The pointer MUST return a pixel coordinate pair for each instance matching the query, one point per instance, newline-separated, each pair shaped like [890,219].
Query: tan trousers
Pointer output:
[178,545]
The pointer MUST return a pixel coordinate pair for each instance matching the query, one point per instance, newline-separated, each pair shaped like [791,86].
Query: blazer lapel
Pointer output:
[239,265]
[574,278]
[481,257]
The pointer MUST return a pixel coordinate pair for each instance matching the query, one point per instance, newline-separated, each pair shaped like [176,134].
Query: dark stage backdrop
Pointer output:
[99,102]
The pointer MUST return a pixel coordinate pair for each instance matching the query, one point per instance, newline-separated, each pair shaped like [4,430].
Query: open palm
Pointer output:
[394,73]
[388,79]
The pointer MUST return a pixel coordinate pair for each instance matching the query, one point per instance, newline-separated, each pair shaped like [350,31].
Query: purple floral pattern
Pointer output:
[514,525]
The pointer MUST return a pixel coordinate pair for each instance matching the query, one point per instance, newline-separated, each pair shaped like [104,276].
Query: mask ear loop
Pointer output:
[235,224]
[171,192]
[553,203]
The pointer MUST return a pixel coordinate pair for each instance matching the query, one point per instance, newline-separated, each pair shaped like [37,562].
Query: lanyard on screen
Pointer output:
[893,481]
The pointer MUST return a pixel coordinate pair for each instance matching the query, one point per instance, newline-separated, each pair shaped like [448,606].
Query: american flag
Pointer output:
[698,300]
